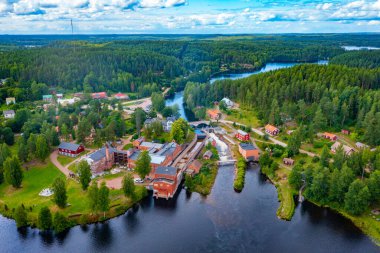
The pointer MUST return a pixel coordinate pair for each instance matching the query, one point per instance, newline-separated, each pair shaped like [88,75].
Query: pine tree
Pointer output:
[319,121]
[325,157]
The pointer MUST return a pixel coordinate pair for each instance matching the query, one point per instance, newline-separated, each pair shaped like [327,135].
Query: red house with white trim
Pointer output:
[70,149]
[99,95]
[241,135]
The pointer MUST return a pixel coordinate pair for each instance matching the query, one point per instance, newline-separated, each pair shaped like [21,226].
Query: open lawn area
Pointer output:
[242,116]
[285,194]
[41,177]
[64,160]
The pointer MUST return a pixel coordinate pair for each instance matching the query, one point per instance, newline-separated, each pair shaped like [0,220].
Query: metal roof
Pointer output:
[247,146]
[69,146]
[166,170]
[242,132]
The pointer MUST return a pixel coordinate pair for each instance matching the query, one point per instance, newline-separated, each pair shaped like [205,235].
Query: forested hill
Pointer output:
[360,59]
[145,65]
[329,96]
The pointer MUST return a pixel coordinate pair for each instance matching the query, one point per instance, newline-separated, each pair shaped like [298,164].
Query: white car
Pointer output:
[138,180]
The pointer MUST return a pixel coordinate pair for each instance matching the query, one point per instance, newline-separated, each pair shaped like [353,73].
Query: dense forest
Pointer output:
[142,66]
[327,96]
[359,59]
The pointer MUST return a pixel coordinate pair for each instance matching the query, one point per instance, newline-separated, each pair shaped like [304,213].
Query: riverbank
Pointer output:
[78,211]
[364,222]
[285,193]
[203,182]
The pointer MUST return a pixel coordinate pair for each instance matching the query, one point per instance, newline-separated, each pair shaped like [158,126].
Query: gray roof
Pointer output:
[242,132]
[98,154]
[208,153]
[164,180]
[247,146]
[69,146]
[166,170]
[168,149]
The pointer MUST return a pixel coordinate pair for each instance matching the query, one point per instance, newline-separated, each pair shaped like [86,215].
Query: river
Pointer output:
[178,96]
[225,221]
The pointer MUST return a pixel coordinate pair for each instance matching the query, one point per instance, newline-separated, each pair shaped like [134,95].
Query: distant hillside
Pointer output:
[361,59]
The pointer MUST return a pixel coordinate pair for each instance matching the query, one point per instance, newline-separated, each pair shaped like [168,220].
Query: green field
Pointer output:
[245,117]
[42,176]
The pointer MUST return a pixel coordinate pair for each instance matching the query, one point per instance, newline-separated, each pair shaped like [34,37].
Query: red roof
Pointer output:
[99,95]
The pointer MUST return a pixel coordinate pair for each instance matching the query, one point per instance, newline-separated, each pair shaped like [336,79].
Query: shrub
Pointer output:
[60,223]
[240,175]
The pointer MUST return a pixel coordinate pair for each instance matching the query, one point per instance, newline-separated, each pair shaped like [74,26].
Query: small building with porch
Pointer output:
[347,150]
[194,167]
[99,95]
[330,136]
[214,114]
[9,114]
[70,149]
[207,155]
[242,136]
[288,161]
[10,100]
[272,130]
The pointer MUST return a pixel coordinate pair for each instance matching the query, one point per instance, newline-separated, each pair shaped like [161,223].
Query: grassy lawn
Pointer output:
[64,160]
[42,176]
[245,117]
[285,195]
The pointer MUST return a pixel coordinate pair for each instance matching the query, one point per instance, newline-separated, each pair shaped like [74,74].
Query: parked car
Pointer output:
[138,180]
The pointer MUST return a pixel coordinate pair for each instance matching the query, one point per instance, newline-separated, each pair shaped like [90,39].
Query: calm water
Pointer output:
[225,221]
[178,97]
[355,48]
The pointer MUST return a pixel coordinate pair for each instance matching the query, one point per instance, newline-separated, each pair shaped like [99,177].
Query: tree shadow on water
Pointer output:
[102,234]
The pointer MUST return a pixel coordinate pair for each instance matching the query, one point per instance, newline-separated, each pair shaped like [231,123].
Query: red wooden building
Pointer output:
[70,149]
[241,135]
[272,130]
[330,136]
[165,182]
[99,95]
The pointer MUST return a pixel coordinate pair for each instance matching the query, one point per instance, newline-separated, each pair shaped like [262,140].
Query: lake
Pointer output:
[225,221]
[356,48]
[178,96]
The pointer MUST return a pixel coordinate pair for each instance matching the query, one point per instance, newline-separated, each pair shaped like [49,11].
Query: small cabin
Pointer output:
[272,130]
[345,131]
[330,136]
[207,155]
[288,161]
[242,136]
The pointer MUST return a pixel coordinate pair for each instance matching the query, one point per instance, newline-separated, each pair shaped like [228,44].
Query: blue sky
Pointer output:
[188,16]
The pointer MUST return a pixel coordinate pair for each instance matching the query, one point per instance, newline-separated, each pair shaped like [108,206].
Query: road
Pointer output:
[260,133]
[64,169]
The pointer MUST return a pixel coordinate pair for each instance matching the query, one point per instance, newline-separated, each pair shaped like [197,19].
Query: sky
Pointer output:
[188,16]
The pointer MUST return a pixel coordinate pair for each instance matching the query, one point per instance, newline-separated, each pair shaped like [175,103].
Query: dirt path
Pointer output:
[54,159]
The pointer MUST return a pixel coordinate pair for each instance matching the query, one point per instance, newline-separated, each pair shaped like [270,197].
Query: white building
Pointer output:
[10,100]
[9,114]
[67,101]
[228,102]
